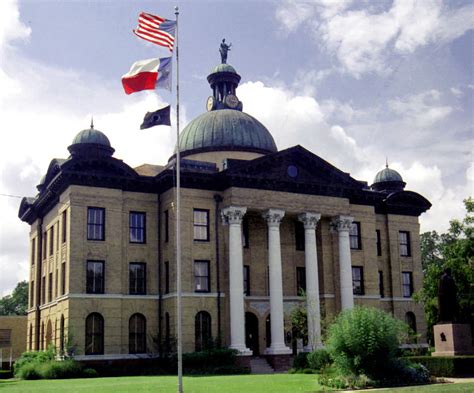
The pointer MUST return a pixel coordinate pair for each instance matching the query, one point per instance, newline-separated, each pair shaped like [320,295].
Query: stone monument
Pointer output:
[451,337]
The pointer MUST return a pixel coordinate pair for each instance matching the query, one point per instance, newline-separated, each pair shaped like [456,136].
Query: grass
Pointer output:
[277,383]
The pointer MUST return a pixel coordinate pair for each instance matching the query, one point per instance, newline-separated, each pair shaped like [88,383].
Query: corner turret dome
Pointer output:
[388,180]
[91,141]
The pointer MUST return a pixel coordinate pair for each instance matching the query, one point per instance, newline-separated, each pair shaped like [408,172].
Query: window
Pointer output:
[64,226]
[51,240]
[31,337]
[300,280]
[95,223]
[247,280]
[202,331]
[95,277]
[357,280]
[381,288]
[63,278]
[407,284]
[201,276]
[379,243]
[33,251]
[32,293]
[354,236]
[245,232]
[201,225]
[167,277]
[94,334]
[137,334]
[56,279]
[57,236]
[43,290]
[50,287]
[137,227]
[167,226]
[299,235]
[44,241]
[61,334]
[137,278]
[405,248]
[410,320]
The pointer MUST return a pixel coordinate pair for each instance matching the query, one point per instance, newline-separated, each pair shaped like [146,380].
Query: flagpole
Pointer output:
[178,222]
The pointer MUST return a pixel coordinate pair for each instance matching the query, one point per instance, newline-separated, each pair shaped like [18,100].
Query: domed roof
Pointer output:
[387,174]
[91,135]
[224,130]
[224,67]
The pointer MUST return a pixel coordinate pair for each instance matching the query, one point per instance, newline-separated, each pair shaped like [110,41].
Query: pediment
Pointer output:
[294,165]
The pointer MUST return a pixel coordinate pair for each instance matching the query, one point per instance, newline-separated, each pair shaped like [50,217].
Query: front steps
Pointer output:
[260,366]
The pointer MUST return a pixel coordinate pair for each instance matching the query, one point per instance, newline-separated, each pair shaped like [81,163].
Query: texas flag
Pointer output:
[148,74]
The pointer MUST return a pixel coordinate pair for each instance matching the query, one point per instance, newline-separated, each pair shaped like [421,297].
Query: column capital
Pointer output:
[273,217]
[342,223]
[233,214]
[310,220]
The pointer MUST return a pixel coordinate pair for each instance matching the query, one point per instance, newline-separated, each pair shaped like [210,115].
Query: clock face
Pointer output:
[232,101]
[210,103]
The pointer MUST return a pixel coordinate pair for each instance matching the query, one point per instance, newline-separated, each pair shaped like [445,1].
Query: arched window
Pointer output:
[410,320]
[31,337]
[61,334]
[202,330]
[94,334]
[137,334]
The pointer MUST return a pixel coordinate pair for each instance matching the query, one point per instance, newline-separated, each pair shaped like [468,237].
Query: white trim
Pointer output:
[267,298]
[396,299]
[376,297]
[116,356]
[193,294]
[110,296]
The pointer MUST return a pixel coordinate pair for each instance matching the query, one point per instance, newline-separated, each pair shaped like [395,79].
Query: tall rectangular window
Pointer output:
[43,290]
[51,240]
[201,225]
[381,287]
[33,251]
[378,242]
[167,277]
[50,287]
[201,276]
[247,280]
[357,280]
[32,293]
[405,247]
[137,222]
[245,232]
[64,226]
[56,280]
[299,235]
[167,226]
[137,272]
[63,278]
[95,277]
[300,280]
[43,246]
[407,284]
[354,236]
[95,223]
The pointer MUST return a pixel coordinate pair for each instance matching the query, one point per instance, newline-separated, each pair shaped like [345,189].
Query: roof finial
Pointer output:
[386,162]
[92,122]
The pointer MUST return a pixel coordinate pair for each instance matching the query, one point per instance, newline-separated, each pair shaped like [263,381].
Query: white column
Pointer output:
[343,224]
[310,221]
[277,347]
[233,215]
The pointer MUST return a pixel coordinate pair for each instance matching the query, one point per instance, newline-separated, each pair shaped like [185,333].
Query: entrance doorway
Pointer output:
[251,333]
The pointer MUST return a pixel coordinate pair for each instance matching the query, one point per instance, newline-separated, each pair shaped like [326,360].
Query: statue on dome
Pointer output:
[224,48]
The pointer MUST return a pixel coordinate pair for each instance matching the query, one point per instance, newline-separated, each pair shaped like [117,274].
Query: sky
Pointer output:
[354,81]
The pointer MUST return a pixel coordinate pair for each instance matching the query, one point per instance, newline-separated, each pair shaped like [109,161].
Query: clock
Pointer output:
[232,101]
[211,103]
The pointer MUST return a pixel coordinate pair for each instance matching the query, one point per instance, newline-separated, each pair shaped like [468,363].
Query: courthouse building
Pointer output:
[258,225]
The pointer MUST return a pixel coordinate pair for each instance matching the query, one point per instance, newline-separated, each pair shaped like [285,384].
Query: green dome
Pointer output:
[224,130]
[91,136]
[387,174]
[224,68]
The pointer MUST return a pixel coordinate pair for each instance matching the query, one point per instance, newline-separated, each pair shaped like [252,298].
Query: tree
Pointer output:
[17,302]
[455,250]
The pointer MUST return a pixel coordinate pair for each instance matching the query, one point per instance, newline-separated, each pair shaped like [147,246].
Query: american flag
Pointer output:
[156,29]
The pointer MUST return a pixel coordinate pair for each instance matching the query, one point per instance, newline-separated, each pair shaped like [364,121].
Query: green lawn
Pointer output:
[277,383]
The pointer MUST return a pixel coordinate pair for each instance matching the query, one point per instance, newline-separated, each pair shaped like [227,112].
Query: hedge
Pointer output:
[446,366]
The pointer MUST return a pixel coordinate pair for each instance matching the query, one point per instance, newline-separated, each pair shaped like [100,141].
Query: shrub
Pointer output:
[33,357]
[28,371]
[318,359]
[364,340]
[446,366]
[301,360]
[61,369]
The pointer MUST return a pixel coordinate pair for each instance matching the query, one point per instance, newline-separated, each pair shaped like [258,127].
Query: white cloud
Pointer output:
[456,92]
[363,38]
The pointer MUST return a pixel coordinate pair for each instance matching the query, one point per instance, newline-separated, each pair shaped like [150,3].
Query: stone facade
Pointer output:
[12,339]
